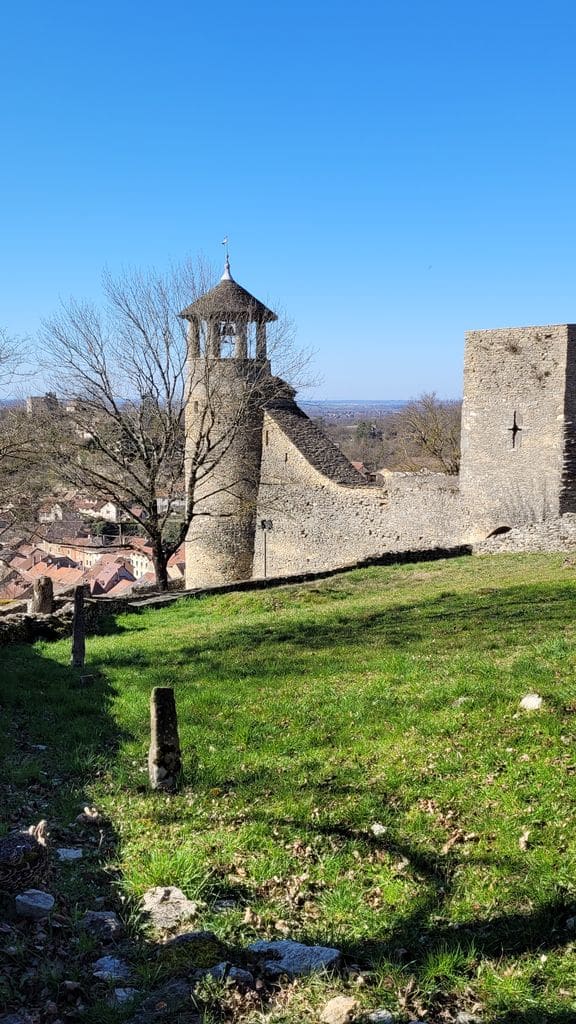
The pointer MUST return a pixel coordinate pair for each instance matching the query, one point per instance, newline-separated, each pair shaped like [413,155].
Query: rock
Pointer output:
[221,906]
[193,949]
[570,924]
[378,830]
[283,956]
[34,903]
[225,971]
[69,853]
[39,746]
[15,1018]
[167,907]
[531,702]
[103,924]
[20,848]
[90,816]
[339,1010]
[466,1018]
[121,996]
[111,968]
[460,701]
[380,1017]
[168,1003]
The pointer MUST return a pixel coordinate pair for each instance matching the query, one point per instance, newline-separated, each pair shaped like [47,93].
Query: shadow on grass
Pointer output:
[456,622]
[57,737]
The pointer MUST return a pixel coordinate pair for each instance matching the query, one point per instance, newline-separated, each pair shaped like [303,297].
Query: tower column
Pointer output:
[214,338]
[261,341]
[241,346]
[193,339]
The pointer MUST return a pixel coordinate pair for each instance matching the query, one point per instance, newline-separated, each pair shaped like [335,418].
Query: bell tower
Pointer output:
[229,378]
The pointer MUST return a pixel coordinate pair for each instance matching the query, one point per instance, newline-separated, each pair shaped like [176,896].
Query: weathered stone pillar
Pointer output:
[42,602]
[261,341]
[78,630]
[241,347]
[164,761]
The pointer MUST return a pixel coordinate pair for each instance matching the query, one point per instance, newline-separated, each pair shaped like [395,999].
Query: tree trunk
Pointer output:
[160,562]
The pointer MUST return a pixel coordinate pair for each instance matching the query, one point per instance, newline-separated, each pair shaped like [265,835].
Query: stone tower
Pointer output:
[518,426]
[229,381]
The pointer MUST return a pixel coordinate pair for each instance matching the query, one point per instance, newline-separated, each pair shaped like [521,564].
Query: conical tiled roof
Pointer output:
[228,300]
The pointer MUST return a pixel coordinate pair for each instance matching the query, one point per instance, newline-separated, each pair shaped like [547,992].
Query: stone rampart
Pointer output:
[318,522]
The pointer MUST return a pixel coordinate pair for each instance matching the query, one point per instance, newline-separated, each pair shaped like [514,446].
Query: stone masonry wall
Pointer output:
[517,425]
[319,523]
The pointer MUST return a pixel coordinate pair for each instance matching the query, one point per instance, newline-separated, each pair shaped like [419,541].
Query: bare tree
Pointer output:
[120,372]
[429,432]
[19,488]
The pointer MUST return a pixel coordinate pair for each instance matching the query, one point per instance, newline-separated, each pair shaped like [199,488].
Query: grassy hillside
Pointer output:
[358,774]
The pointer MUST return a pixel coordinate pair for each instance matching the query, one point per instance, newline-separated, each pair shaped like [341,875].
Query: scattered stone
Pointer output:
[111,968]
[39,746]
[168,1003]
[220,906]
[90,816]
[69,853]
[34,903]
[121,996]
[339,1010]
[293,958]
[20,848]
[466,1018]
[164,760]
[380,1017]
[103,924]
[167,907]
[225,971]
[378,830]
[531,702]
[193,949]
[14,1018]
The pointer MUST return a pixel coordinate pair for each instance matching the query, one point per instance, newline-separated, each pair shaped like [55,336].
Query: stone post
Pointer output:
[78,629]
[42,602]
[164,761]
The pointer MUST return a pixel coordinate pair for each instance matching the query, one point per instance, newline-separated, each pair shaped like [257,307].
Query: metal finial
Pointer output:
[226,276]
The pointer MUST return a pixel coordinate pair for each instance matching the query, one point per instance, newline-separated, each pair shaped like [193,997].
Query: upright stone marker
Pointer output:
[164,762]
[42,602]
[78,630]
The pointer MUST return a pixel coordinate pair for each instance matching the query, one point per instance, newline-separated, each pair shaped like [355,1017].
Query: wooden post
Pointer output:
[164,760]
[42,602]
[78,629]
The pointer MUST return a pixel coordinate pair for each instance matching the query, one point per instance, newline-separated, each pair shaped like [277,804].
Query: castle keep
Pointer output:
[274,496]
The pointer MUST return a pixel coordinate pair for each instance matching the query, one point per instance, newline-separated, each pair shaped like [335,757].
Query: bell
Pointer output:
[227,329]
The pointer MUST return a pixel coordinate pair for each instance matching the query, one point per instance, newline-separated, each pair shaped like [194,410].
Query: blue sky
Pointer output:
[390,174]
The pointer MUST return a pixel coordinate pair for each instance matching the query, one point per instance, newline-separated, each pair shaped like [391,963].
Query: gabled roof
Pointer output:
[227,301]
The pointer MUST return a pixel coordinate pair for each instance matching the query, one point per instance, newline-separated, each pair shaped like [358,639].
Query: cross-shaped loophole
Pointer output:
[514,430]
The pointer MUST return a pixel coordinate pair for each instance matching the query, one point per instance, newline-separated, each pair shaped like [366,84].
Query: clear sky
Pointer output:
[392,174]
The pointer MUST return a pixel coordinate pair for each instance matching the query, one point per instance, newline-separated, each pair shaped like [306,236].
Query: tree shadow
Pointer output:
[58,736]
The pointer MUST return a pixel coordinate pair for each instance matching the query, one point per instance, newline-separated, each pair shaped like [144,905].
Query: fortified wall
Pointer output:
[281,498]
[322,512]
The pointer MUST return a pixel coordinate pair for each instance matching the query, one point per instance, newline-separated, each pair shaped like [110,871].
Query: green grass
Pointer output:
[308,714]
